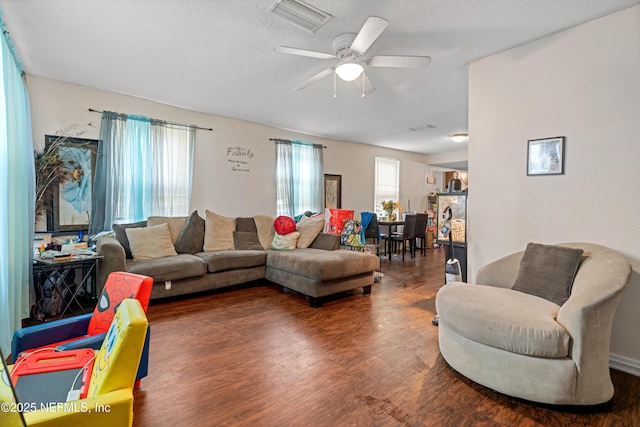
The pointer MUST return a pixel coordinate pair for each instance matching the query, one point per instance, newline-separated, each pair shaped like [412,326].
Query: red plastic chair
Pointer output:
[89,330]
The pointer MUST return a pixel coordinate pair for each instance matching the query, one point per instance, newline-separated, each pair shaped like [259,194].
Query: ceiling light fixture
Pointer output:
[459,137]
[349,70]
[300,14]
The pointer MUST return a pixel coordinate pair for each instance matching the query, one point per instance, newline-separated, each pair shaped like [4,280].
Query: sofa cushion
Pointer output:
[245,240]
[323,265]
[309,228]
[181,266]
[218,232]
[191,237]
[121,235]
[175,224]
[246,224]
[264,225]
[548,271]
[231,260]
[150,242]
[503,318]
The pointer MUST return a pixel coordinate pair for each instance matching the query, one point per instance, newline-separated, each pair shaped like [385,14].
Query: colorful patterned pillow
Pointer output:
[284,225]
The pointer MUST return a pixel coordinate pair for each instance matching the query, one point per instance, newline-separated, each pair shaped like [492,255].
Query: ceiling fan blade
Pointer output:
[369,32]
[364,84]
[393,61]
[311,80]
[304,52]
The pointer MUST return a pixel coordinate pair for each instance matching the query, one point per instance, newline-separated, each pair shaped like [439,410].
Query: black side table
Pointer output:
[88,264]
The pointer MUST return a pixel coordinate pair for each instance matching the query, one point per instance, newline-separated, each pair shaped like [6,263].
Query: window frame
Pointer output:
[379,196]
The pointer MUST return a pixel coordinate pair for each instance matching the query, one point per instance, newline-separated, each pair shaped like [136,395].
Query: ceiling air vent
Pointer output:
[300,14]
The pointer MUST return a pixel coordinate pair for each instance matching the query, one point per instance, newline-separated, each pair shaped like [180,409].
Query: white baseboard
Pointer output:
[624,364]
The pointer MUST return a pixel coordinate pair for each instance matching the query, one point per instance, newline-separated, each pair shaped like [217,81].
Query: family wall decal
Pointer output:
[239,158]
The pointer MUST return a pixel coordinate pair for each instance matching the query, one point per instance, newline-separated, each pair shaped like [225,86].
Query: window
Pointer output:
[299,177]
[144,168]
[387,184]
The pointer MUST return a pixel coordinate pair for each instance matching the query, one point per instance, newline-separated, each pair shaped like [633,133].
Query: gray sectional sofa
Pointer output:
[316,271]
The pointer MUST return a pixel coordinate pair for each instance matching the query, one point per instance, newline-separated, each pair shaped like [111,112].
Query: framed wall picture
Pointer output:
[332,191]
[71,195]
[545,156]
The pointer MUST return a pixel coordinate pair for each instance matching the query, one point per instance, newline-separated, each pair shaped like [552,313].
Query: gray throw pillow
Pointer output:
[326,241]
[244,240]
[121,235]
[246,224]
[191,237]
[548,271]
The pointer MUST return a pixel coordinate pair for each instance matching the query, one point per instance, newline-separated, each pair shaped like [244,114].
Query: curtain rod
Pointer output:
[290,141]
[171,123]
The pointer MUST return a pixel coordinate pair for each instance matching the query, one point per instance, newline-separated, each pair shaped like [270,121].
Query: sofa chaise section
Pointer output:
[318,273]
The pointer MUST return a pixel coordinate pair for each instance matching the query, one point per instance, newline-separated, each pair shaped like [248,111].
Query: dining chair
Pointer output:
[421,232]
[372,232]
[407,235]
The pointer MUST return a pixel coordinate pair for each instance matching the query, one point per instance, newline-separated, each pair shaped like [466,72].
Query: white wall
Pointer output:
[584,84]
[56,105]
[449,157]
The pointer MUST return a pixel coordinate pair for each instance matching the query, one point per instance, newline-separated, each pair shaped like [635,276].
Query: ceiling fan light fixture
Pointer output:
[459,137]
[349,70]
[300,14]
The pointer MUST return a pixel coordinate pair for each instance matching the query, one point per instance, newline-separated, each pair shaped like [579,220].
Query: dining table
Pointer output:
[391,227]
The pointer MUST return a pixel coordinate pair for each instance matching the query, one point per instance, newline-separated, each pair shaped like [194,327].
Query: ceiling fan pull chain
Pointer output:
[363,84]
[334,84]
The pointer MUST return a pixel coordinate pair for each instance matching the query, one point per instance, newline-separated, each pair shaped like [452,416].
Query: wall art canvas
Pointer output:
[71,197]
[545,156]
[332,191]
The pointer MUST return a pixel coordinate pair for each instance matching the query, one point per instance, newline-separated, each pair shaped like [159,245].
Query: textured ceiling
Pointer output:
[217,56]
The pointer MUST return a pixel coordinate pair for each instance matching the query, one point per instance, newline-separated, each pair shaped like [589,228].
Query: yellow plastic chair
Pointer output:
[109,400]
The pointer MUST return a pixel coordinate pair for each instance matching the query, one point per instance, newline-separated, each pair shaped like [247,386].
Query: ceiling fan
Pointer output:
[350,57]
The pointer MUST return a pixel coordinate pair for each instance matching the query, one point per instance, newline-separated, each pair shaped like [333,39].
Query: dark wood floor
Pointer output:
[258,356]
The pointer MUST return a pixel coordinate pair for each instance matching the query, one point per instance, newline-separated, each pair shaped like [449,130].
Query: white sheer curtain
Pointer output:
[17,195]
[299,177]
[144,168]
[284,181]
[173,180]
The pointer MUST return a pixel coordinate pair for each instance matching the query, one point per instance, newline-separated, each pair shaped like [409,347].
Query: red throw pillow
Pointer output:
[284,225]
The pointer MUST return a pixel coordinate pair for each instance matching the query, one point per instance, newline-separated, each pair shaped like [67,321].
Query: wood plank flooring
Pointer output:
[257,356]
